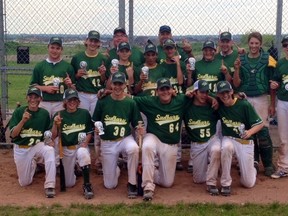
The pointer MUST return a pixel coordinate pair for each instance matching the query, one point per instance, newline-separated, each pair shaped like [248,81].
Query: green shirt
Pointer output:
[90,83]
[228,60]
[208,71]
[200,122]
[44,73]
[74,123]
[171,73]
[149,87]
[33,130]
[241,112]
[116,117]
[136,57]
[164,120]
[281,75]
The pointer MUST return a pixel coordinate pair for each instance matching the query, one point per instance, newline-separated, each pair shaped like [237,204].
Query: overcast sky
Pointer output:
[184,16]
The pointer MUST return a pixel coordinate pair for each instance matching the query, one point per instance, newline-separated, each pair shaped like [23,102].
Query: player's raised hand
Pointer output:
[223,68]
[26,115]
[58,119]
[237,63]
[102,68]
[240,50]
[67,80]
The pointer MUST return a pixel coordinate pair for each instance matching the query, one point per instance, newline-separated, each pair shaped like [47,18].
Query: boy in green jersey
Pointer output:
[52,76]
[75,130]
[27,127]
[281,83]
[164,114]
[117,112]
[239,123]
[200,121]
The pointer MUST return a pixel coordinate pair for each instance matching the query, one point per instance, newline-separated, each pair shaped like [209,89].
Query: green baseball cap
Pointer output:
[165,28]
[93,35]
[150,47]
[123,45]
[201,85]
[226,36]
[169,43]
[209,44]
[56,40]
[223,86]
[118,77]
[34,90]
[163,82]
[70,93]
[119,29]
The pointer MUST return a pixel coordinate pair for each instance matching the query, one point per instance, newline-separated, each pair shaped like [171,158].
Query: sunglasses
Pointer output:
[284,45]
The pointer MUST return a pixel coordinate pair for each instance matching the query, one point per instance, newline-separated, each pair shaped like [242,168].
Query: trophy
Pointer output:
[56,82]
[83,65]
[241,129]
[115,62]
[192,62]
[81,138]
[99,126]
[47,137]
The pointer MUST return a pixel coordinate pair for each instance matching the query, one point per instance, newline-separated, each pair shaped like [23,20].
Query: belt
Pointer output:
[242,141]
[71,147]
[116,140]
[25,146]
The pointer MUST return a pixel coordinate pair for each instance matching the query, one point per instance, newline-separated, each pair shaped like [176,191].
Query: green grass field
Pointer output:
[144,209]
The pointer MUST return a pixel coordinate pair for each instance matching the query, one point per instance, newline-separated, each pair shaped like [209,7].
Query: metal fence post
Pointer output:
[122,13]
[4,93]
[279,26]
[131,24]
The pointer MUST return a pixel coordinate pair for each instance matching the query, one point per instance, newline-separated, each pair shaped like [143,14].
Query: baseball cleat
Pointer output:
[226,191]
[212,190]
[50,192]
[88,191]
[148,195]
[279,174]
[132,191]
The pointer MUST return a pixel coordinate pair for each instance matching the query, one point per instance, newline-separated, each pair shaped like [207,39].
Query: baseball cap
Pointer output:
[55,40]
[123,45]
[169,43]
[165,28]
[93,35]
[225,36]
[119,77]
[163,82]
[119,29]
[209,44]
[285,39]
[34,90]
[201,85]
[223,86]
[70,93]
[150,47]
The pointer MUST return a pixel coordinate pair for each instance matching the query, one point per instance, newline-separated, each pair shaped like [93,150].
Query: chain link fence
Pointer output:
[27,26]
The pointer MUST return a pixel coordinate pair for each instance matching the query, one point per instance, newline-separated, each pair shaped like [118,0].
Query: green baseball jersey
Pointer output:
[171,73]
[228,60]
[74,123]
[33,130]
[255,74]
[44,73]
[90,83]
[281,75]
[116,117]
[149,87]
[200,122]
[164,120]
[209,71]
[136,57]
[241,112]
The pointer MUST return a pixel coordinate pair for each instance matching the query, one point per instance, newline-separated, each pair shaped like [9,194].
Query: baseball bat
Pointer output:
[139,168]
[61,167]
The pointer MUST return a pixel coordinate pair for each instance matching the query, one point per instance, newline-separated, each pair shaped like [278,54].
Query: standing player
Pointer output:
[200,121]
[119,35]
[239,123]
[117,112]
[252,77]
[90,71]
[52,76]
[164,114]
[72,121]
[281,77]
[27,127]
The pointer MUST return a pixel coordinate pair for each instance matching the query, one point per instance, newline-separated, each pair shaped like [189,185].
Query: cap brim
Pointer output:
[71,96]
[224,90]
[118,80]
[164,85]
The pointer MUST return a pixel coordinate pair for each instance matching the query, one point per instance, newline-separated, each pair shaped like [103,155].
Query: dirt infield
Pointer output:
[184,190]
